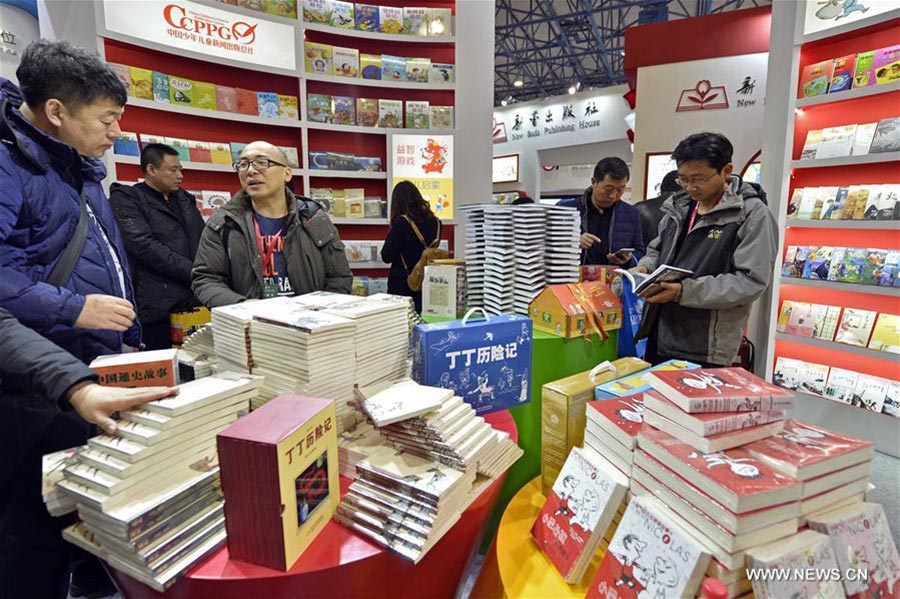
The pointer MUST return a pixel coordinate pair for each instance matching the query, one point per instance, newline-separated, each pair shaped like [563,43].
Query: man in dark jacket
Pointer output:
[72,288]
[608,224]
[650,210]
[719,228]
[161,227]
[34,371]
[266,241]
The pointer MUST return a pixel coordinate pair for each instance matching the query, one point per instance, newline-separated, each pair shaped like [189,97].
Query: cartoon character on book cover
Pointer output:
[839,9]
[707,381]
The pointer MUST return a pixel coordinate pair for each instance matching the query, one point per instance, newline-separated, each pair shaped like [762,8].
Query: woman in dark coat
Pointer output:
[402,247]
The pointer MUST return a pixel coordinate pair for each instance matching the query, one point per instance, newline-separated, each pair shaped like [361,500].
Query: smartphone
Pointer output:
[624,252]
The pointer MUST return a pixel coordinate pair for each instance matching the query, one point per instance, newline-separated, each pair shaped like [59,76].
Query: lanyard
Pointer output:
[693,217]
[268,250]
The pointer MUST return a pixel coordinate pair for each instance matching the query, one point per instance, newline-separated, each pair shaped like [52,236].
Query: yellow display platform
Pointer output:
[524,571]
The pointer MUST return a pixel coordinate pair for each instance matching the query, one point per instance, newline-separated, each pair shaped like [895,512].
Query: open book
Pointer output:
[645,285]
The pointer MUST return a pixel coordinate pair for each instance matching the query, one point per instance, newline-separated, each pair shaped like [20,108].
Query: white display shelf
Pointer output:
[376,35]
[257,14]
[853,94]
[195,166]
[884,429]
[847,160]
[346,174]
[213,114]
[853,26]
[853,349]
[837,286]
[374,130]
[378,82]
[359,221]
[885,225]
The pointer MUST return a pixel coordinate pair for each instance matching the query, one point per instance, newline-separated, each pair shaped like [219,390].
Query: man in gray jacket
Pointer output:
[266,241]
[719,228]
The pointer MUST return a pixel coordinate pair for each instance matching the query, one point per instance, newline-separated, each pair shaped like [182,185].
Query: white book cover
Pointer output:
[837,141]
[863,138]
[807,549]
[870,392]
[386,404]
[841,384]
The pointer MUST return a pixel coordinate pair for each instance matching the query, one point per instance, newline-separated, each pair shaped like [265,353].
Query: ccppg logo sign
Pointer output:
[241,32]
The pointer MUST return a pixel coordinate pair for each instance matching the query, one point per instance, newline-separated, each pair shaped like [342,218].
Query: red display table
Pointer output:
[341,563]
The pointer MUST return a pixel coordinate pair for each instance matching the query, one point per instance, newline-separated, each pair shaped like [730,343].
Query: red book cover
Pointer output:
[621,417]
[578,510]
[226,98]
[707,424]
[815,78]
[247,101]
[730,389]
[842,78]
[649,556]
[733,477]
[805,451]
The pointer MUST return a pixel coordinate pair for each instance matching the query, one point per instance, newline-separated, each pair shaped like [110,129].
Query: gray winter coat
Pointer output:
[228,268]
[732,253]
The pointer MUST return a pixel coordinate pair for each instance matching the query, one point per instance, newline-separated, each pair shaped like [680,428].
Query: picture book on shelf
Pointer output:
[890,272]
[818,263]
[417,69]
[288,107]
[220,152]
[390,19]
[127,144]
[789,265]
[887,136]
[226,98]
[851,267]
[813,139]
[199,151]
[857,198]
[318,58]
[341,14]
[887,64]
[344,110]
[319,109]
[836,142]
[889,202]
[247,101]
[842,77]
[886,334]
[825,321]
[800,320]
[864,74]
[856,327]
[181,91]
[345,61]
[442,117]
[141,83]
[181,146]
[441,73]
[282,8]
[841,384]
[161,89]
[815,77]
[370,66]
[390,113]
[205,95]
[439,21]
[366,17]
[787,373]
[414,21]
[793,210]
[293,157]
[393,68]
[813,378]
[862,141]
[871,272]
[367,112]
[123,71]
[317,11]
[268,104]
[892,400]
[870,392]
[871,210]
[417,115]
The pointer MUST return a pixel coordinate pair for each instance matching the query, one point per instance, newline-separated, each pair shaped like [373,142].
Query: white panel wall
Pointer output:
[24,29]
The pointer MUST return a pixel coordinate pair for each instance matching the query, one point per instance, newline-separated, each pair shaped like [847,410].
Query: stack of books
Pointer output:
[404,502]
[530,231]
[834,468]
[412,317]
[809,551]
[231,334]
[58,502]
[197,356]
[475,259]
[434,424]
[382,337]
[714,409]
[358,444]
[306,352]
[580,508]
[612,428]
[137,369]
[500,260]
[563,255]
[729,500]
[148,496]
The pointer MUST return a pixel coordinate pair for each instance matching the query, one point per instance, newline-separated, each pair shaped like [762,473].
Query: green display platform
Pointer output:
[552,358]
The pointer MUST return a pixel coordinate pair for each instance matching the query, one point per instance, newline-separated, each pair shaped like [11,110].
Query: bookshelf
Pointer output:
[372,35]
[788,120]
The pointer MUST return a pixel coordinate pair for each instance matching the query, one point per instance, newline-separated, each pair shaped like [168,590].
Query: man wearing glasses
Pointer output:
[719,228]
[266,241]
[610,228]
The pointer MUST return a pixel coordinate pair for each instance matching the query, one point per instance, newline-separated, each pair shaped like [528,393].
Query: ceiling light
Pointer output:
[572,90]
[503,102]
[518,83]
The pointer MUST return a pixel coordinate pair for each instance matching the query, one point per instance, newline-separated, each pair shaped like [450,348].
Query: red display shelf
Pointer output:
[373,187]
[358,89]
[835,358]
[359,144]
[340,563]
[837,297]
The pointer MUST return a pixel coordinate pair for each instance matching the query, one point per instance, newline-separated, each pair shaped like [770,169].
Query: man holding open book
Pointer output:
[720,229]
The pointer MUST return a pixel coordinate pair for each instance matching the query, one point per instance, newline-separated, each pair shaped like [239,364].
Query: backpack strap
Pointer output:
[437,237]
[63,268]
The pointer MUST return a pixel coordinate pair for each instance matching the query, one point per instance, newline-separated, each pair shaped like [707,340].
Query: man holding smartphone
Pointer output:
[610,228]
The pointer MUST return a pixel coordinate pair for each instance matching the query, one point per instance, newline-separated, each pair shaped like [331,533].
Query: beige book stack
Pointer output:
[58,502]
[358,444]
[197,356]
[148,495]
[412,317]
[231,332]
[306,352]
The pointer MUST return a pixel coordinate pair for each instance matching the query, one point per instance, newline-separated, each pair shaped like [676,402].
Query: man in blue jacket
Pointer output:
[63,271]
[608,225]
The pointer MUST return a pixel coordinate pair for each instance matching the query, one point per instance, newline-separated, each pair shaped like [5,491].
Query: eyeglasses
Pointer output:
[260,164]
[694,181]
